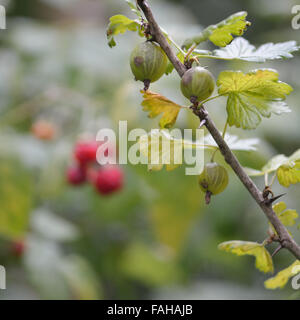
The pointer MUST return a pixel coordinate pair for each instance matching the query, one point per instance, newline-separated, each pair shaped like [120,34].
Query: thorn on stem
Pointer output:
[277,250]
[271,200]
[202,123]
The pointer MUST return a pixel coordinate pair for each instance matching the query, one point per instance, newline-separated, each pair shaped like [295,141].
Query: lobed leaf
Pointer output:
[222,33]
[252,95]
[157,104]
[151,146]
[119,24]
[263,260]
[241,49]
[234,142]
[287,169]
[289,173]
[287,217]
[134,8]
[282,277]
[234,25]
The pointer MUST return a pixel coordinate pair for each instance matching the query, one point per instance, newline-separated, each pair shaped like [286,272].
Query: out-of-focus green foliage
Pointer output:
[16,197]
[155,238]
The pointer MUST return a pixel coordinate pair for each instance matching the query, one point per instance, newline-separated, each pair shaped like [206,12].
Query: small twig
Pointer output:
[190,51]
[277,250]
[273,179]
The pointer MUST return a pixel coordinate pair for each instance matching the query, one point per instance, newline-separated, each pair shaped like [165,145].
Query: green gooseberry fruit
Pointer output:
[197,83]
[213,180]
[148,62]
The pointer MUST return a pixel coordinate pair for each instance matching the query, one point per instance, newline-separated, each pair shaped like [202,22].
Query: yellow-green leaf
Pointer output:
[253,95]
[263,261]
[233,25]
[287,217]
[274,163]
[157,104]
[15,199]
[80,277]
[287,168]
[153,146]
[221,34]
[289,173]
[133,6]
[146,265]
[119,24]
[170,66]
[282,277]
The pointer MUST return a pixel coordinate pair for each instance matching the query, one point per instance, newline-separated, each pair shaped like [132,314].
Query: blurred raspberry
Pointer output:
[18,248]
[76,175]
[44,130]
[109,179]
[85,152]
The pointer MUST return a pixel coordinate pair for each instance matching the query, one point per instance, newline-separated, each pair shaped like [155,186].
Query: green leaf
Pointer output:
[57,276]
[241,49]
[252,95]
[148,266]
[151,146]
[263,261]
[170,66]
[133,7]
[282,277]
[287,217]
[234,142]
[234,25]
[52,226]
[287,168]
[119,24]
[80,278]
[157,104]
[274,163]
[289,173]
[253,172]
[222,33]
[16,197]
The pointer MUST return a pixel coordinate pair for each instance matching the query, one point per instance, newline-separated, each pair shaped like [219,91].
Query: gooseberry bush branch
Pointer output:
[284,238]
[263,95]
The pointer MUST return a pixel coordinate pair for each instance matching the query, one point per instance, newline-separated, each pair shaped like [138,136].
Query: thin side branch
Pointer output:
[285,240]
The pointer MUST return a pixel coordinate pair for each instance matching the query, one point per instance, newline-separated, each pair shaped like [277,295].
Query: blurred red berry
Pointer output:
[109,179]
[44,130]
[18,248]
[85,152]
[76,175]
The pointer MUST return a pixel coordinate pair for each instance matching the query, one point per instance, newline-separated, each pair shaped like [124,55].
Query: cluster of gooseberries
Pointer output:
[106,179]
[148,63]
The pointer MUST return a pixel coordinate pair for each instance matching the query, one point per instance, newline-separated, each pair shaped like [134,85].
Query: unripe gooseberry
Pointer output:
[148,62]
[197,83]
[213,180]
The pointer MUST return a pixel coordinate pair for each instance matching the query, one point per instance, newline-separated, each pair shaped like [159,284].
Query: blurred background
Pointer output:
[154,238]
